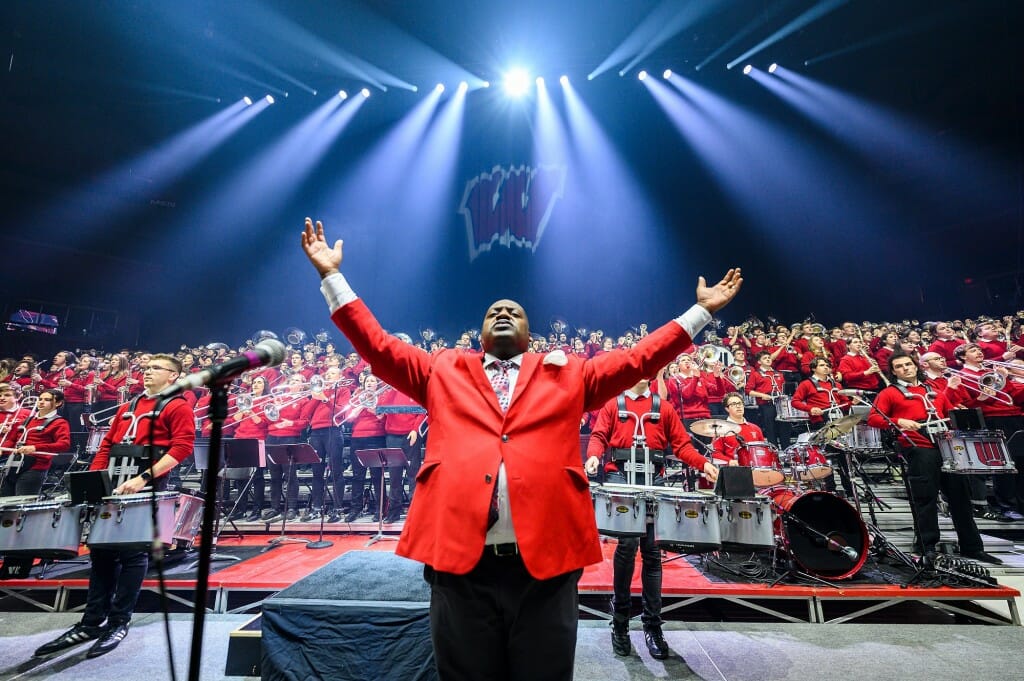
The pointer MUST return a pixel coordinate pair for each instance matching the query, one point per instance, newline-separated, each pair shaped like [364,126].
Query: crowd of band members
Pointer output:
[804,361]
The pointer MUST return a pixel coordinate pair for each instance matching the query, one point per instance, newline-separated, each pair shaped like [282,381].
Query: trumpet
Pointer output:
[990,384]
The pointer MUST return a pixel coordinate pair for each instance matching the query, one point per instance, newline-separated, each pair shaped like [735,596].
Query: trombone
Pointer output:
[359,400]
[990,384]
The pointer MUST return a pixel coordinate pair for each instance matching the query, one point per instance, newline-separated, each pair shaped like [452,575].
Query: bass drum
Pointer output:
[828,515]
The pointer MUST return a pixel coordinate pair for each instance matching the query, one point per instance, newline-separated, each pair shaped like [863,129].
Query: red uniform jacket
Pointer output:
[811,394]
[400,424]
[609,432]
[49,436]
[537,439]
[173,429]
[852,367]
[947,348]
[894,404]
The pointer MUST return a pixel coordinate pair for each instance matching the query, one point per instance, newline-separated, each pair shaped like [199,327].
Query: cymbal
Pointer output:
[713,428]
[834,429]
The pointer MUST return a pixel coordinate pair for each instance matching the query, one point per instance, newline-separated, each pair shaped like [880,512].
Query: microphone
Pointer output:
[267,352]
[847,551]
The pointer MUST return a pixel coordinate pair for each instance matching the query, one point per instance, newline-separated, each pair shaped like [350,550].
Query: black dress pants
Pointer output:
[498,623]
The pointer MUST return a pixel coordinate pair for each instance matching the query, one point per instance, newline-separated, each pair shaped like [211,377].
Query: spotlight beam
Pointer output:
[813,14]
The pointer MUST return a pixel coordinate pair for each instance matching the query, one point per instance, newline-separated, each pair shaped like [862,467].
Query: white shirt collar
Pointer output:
[636,396]
[490,359]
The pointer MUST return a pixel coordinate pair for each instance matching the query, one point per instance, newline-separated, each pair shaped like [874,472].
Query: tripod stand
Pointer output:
[288,456]
[381,458]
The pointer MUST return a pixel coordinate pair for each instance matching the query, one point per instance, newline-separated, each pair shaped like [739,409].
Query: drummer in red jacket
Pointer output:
[502,515]
[611,441]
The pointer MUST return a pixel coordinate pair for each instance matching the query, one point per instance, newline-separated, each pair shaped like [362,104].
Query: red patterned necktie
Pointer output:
[500,383]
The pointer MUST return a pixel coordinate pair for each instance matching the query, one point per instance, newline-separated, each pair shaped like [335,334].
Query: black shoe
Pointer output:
[392,518]
[351,517]
[376,518]
[253,517]
[333,517]
[108,641]
[293,515]
[656,644]
[983,557]
[74,636]
[620,639]
[310,516]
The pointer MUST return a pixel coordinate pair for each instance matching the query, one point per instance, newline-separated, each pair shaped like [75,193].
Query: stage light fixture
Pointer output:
[247,100]
[342,94]
[439,87]
[364,92]
[517,82]
[463,86]
[747,69]
[415,89]
[539,81]
[270,99]
[771,69]
[314,93]
[642,75]
[486,83]
[667,74]
[564,80]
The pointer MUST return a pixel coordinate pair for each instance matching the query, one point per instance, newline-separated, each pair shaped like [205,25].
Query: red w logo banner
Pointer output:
[510,206]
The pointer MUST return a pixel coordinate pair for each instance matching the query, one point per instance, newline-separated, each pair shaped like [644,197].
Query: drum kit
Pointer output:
[54,529]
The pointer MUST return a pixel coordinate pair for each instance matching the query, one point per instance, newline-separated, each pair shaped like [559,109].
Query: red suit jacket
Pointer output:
[537,438]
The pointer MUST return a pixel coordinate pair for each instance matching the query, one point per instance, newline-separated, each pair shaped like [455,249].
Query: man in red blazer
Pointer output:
[504,435]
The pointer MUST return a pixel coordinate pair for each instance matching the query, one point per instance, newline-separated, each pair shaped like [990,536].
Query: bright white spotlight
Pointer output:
[642,75]
[747,69]
[247,100]
[439,87]
[270,99]
[517,82]
[364,92]
[415,89]
[540,81]
[771,69]
[667,74]
[486,83]
[314,93]
[463,86]
[564,80]
[342,94]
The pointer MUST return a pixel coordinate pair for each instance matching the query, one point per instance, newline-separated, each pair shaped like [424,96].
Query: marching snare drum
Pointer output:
[126,521]
[188,518]
[687,522]
[763,459]
[802,519]
[785,411]
[975,452]
[44,529]
[620,510]
[863,438]
[747,523]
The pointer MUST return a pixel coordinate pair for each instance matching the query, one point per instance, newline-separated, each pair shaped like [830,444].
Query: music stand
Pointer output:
[289,455]
[391,457]
[243,453]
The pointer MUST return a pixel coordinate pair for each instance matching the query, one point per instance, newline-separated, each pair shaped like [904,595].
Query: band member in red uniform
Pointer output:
[933,366]
[946,343]
[819,394]
[293,417]
[112,388]
[324,437]
[402,431]
[908,404]
[726,449]
[858,370]
[116,576]
[765,384]
[815,350]
[251,424]
[504,441]
[39,438]
[61,368]
[367,433]
[22,376]
[11,416]
[785,357]
[890,344]
[1001,411]
[987,334]
[610,443]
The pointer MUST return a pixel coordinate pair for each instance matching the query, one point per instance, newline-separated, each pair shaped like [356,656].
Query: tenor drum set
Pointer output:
[54,529]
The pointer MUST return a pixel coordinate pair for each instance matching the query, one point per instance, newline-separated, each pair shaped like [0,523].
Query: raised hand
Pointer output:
[714,298]
[325,259]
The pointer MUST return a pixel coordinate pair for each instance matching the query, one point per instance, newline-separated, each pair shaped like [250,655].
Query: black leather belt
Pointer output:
[503,550]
